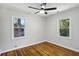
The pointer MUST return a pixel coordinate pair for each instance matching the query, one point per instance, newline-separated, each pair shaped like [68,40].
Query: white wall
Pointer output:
[37,29]
[33,31]
[51,36]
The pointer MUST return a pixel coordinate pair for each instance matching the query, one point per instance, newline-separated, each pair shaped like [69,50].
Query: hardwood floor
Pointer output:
[42,49]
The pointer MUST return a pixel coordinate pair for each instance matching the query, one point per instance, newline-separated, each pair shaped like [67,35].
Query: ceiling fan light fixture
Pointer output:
[42,11]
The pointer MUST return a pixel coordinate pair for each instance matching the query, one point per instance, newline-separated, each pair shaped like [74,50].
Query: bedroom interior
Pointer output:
[39,29]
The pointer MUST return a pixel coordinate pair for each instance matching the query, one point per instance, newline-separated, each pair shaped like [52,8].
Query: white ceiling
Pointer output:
[60,7]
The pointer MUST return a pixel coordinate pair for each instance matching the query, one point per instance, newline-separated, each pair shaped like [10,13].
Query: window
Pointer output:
[18,27]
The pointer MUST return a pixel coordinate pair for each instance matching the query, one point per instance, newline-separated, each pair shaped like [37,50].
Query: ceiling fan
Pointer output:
[43,8]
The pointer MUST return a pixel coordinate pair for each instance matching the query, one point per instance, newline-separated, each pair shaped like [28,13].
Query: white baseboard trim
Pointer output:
[20,47]
[64,46]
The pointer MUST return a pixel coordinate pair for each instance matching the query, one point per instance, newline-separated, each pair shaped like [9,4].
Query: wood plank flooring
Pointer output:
[42,49]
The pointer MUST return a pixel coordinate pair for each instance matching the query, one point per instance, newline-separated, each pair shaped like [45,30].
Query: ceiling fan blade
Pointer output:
[37,12]
[50,8]
[33,8]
